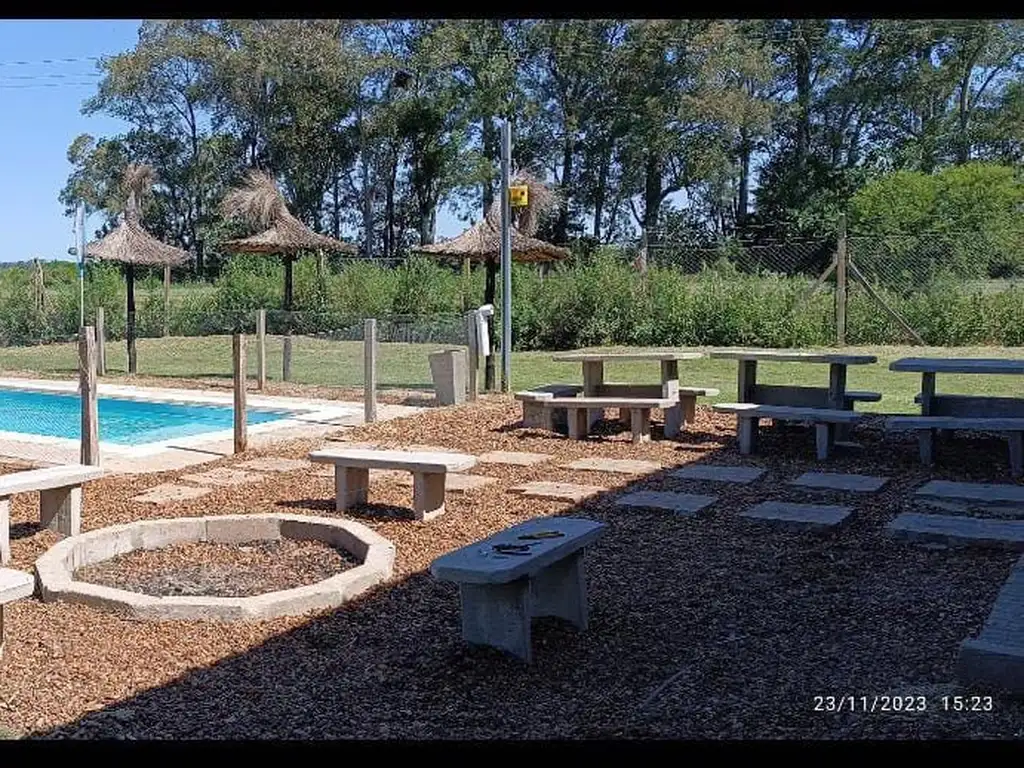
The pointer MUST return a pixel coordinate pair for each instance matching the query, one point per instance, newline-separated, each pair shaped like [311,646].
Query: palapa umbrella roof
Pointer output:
[482,241]
[130,243]
[261,203]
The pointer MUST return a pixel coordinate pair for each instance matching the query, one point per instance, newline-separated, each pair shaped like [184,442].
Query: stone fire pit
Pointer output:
[55,569]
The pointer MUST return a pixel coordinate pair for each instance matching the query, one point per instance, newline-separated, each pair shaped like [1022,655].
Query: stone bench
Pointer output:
[535,415]
[927,426]
[507,579]
[352,475]
[14,585]
[860,396]
[676,416]
[825,421]
[639,409]
[60,499]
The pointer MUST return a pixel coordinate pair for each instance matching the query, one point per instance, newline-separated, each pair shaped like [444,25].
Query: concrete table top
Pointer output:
[792,356]
[584,356]
[958,365]
[480,563]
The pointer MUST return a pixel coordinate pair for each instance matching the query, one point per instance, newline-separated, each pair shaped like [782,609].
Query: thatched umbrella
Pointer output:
[482,242]
[260,203]
[130,244]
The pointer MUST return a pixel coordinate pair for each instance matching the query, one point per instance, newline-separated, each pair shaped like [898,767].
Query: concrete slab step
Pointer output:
[989,493]
[717,473]
[838,481]
[557,491]
[801,516]
[958,531]
[680,503]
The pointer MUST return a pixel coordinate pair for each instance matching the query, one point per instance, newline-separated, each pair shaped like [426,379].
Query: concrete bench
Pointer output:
[825,421]
[352,475]
[927,426]
[684,412]
[531,569]
[535,415]
[60,499]
[14,585]
[639,409]
[860,396]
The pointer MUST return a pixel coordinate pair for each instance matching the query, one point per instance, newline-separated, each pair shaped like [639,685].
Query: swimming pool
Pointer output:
[123,422]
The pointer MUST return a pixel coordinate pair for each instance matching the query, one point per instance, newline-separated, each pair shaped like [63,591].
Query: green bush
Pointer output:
[600,300]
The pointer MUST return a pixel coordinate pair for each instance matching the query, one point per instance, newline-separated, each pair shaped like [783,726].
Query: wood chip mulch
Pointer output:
[700,627]
[220,570]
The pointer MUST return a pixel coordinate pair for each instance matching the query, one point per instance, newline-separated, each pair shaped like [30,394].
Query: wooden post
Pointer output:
[286,352]
[261,349]
[90,441]
[167,300]
[370,370]
[101,343]
[841,283]
[467,277]
[238,369]
[473,358]
[132,357]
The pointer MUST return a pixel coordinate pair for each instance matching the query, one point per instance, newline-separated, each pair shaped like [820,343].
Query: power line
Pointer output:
[48,61]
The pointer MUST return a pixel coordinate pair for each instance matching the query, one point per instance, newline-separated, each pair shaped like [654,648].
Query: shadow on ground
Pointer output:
[701,627]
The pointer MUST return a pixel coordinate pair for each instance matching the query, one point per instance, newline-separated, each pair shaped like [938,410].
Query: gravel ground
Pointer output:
[703,627]
[220,570]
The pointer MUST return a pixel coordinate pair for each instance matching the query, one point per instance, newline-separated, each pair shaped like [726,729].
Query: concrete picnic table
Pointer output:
[966,406]
[593,372]
[749,391]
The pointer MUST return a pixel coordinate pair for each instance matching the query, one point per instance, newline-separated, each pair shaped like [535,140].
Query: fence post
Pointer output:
[261,349]
[101,343]
[841,257]
[369,370]
[90,442]
[473,360]
[238,369]
[286,354]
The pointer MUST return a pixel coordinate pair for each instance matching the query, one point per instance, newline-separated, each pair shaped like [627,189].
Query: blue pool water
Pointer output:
[122,422]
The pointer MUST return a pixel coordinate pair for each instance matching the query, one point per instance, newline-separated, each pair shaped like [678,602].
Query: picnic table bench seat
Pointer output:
[529,570]
[639,409]
[352,474]
[14,585]
[927,426]
[60,499]
[825,420]
[535,415]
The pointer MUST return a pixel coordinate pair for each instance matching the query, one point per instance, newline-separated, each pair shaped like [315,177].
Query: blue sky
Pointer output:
[47,69]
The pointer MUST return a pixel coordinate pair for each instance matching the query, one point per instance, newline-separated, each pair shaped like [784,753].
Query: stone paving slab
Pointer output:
[958,530]
[622,466]
[998,510]
[170,492]
[274,464]
[515,458]
[990,493]
[223,476]
[557,491]
[809,516]
[453,481]
[718,473]
[680,503]
[838,481]
[996,657]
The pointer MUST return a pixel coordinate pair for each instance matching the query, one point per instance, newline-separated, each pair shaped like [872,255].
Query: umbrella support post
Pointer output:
[130,331]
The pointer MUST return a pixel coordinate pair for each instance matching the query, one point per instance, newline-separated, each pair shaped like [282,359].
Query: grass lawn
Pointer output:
[340,363]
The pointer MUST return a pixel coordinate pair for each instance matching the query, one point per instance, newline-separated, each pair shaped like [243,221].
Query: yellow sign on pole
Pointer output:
[519,196]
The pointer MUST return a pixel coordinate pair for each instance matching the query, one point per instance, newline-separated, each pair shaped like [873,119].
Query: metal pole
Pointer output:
[841,283]
[80,251]
[506,259]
